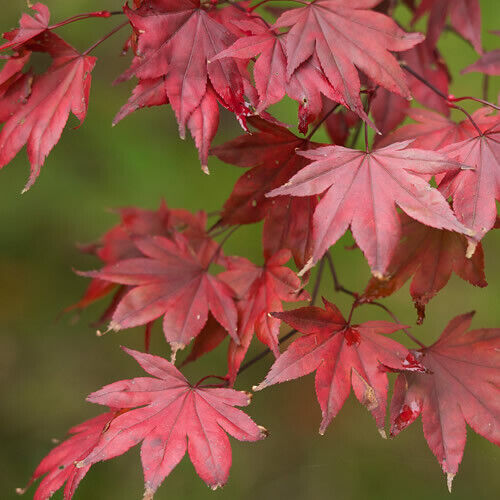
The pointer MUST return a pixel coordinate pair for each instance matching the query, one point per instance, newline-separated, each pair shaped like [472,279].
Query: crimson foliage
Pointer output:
[418,201]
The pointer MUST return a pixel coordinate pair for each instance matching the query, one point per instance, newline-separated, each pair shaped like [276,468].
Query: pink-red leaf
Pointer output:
[462,385]
[39,121]
[342,355]
[173,417]
[344,35]
[362,191]
[170,279]
[430,256]
[58,466]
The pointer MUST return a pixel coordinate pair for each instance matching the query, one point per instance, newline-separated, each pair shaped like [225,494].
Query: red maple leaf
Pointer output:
[170,279]
[465,18]
[461,386]
[305,85]
[474,193]
[174,417]
[342,355]
[260,291]
[434,131]
[29,27]
[362,191]
[58,466]
[488,63]
[344,35]
[175,40]
[430,256]
[272,154]
[39,120]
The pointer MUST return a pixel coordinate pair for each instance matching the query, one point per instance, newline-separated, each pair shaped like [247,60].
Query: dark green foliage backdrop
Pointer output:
[50,362]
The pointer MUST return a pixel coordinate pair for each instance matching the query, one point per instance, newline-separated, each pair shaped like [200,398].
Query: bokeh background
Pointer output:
[49,362]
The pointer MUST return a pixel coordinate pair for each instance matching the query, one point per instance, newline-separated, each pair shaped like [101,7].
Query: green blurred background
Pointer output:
[49,362]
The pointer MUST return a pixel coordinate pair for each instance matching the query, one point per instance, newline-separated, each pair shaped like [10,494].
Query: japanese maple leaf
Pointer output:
[260,291]
[462,385]
[434,131]
[173,417]
[342,355]
[272,154]
[305,85]
[176,39]
[465,18]
[430,256]
[39,122]
[169,279]
[58,466]
[488,63]
[474,195]
[362,191]
[29,27]
[345,35]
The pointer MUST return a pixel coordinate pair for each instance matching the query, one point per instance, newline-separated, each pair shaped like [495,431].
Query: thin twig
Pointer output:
[323,119]
[451,103]
[105,37]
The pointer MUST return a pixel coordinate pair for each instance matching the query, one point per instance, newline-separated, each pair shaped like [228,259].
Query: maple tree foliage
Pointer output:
[461,386]
[419,198]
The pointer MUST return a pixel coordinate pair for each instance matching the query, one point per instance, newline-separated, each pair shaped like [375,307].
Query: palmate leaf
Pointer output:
[344,35]
[461,386]
[170,417]
[170,280]
[39,118]
[58,467]
[342,355]
[362,191]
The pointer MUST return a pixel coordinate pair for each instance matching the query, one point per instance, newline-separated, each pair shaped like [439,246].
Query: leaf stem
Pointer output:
[105,37]
[321,121]
[360,302]
[449,99]
[89,15]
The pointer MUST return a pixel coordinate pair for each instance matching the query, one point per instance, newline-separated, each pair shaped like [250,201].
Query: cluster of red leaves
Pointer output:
[417,202]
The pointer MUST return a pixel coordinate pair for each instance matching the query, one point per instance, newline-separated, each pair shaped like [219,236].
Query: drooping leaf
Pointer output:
[58,466]
[362,191]
[474,193]
[40,120]
[170,416]
[29,27]
[488,63]
[461,386]
[342,355]
[272,154]
[344,35]
[175,40]
[430,256]
[464,15]
[261,291]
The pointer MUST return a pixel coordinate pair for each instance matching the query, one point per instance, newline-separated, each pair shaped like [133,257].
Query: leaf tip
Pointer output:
[257,388]
[264,433]
[20,491]
[148,493]
[205,169]
[449,480]
[382,433]
[471,249]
